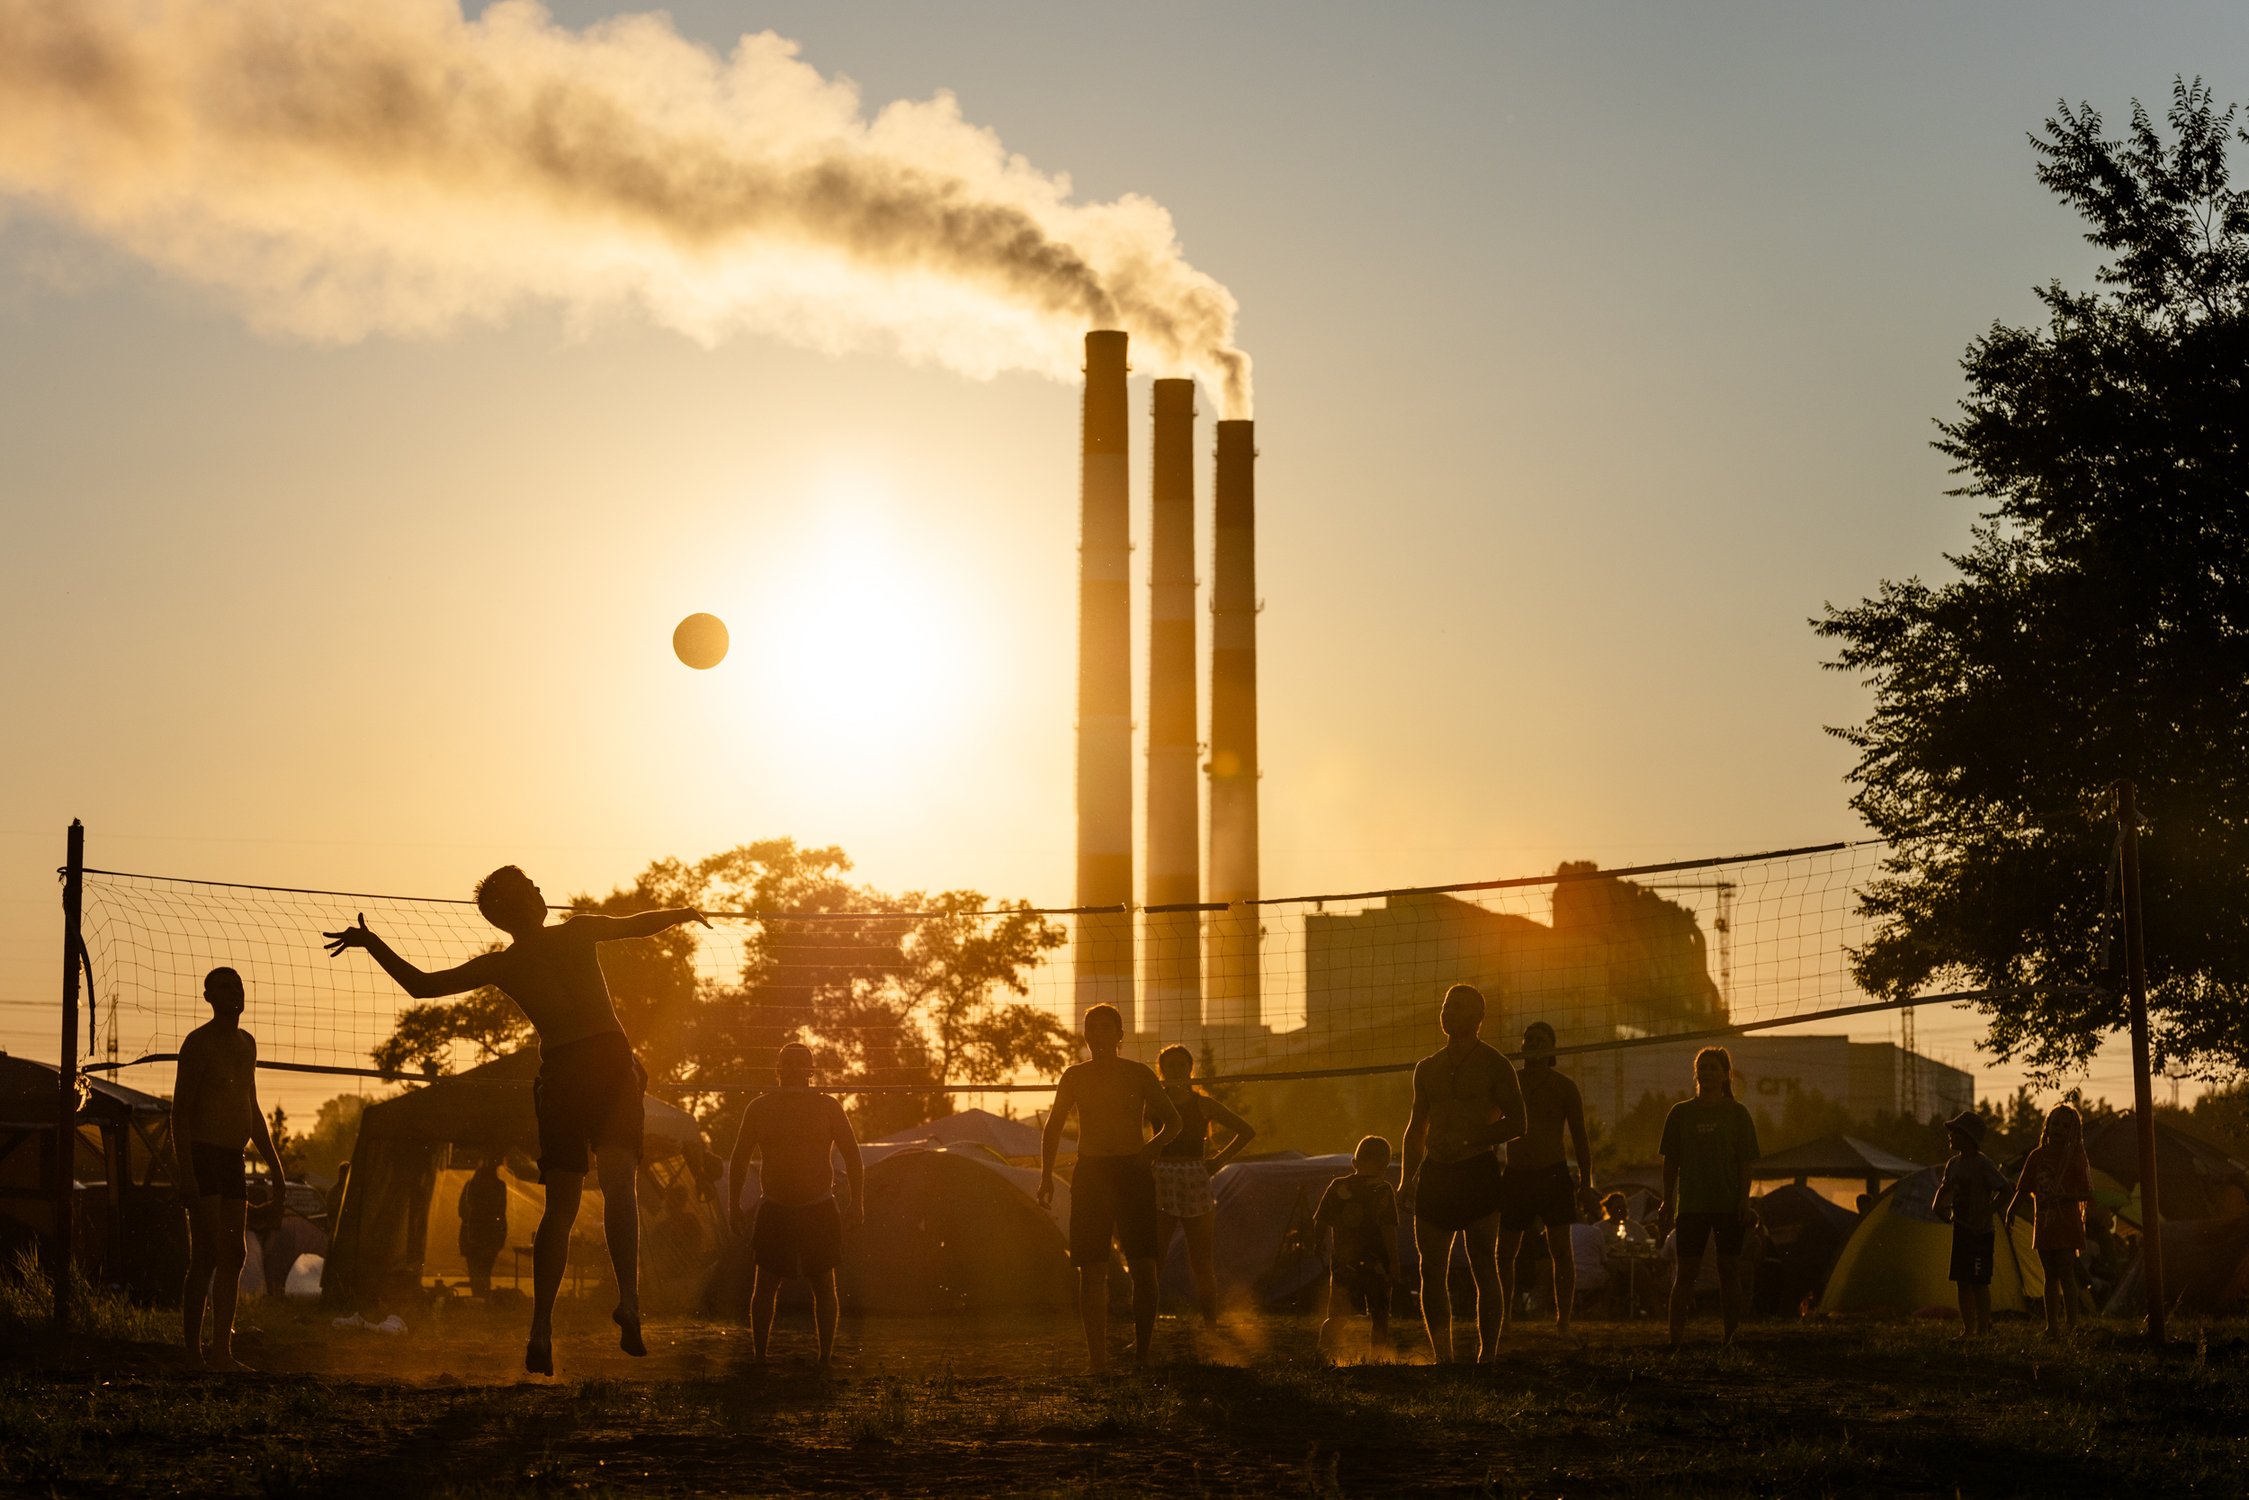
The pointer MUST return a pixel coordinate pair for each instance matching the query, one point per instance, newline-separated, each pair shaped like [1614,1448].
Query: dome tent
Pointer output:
[1897,1259]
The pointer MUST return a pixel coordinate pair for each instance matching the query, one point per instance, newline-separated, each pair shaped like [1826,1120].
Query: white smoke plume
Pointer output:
[341,168]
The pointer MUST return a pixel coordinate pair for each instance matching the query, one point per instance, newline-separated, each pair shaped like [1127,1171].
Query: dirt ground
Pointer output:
[952,1406]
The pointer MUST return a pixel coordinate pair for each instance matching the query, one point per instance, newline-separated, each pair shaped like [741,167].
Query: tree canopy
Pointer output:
[2097,630]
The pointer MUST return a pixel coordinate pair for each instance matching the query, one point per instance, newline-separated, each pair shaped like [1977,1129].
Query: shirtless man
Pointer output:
[1465,1104]
[214,1112]
[1113,1192]
[1536,1189]
[588,1094]
[795,1132]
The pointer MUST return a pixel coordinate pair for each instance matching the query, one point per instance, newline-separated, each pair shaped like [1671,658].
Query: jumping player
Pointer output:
[589,1090]
[1466,1103]
[214,1114]
[796,1132]
[1113,1191]
[1536,1191]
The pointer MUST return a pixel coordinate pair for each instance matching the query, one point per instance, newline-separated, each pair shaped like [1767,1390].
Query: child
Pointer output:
[2059,1179]
[1361,1208]
[1969,1195]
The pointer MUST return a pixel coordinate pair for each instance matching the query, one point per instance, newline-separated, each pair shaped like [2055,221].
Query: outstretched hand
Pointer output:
[355,936]
[698,916]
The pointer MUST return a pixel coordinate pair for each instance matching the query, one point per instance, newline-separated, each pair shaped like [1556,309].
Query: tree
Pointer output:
[423,1038]
[953,963]
[2098,629]
[328,1145]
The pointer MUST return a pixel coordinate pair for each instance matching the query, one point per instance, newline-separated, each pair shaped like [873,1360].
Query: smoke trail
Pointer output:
[347,167]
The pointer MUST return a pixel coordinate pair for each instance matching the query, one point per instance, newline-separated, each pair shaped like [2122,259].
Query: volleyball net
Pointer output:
[1307,1003]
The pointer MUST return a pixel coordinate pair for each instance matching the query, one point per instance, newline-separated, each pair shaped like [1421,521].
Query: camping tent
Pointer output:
[1837,1167]
[1807,1232]
[382,1226]
[956,1231]
[1897,1258]
[1016,1140]
[1262,1239]
[2190,1171]
[129,1228]
[2205,1269]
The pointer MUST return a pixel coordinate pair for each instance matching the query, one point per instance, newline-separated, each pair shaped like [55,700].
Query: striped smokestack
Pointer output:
[1172,975]
[1103,951]
[1232,980]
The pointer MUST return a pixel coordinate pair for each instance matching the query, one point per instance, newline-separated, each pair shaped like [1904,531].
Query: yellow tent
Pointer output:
[1896,1260]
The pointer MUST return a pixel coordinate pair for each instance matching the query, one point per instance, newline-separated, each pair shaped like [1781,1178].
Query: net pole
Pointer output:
[66,1070]
[2143,1086]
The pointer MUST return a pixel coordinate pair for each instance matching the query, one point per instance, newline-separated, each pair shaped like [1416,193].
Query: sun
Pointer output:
[865,632]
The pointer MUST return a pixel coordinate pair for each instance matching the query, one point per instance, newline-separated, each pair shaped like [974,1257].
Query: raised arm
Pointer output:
[607,929]
[853,1172]
[458,980]
[1065,1100]
[1244,1132]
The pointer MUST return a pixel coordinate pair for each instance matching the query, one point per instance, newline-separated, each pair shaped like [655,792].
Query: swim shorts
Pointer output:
[1530,1196]
[1112,1197]
[1452,1195]
[1972,1255]
[797,1239]
[588,1094]
[219,1173]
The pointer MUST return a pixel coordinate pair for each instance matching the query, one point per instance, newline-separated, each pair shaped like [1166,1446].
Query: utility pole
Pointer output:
[66,1073]
[1910,1062]
[2143,1087]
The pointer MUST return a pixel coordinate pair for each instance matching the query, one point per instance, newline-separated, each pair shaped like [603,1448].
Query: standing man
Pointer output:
[589,1090]
[214,1115]
[1536,1190]
[483,1208]
[1466,1103]
[795,1132]
[1113,1193]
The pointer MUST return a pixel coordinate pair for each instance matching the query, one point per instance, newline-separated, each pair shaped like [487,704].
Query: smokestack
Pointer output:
[1103,952]
[1232,980]
[1172,980]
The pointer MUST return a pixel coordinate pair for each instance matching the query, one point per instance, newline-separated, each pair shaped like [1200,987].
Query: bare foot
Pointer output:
[223,1359]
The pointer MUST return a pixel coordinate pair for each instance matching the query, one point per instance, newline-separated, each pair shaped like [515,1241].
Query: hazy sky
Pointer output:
[1596,347]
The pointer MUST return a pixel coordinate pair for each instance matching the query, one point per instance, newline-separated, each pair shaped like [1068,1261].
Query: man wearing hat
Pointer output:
[1969,1194]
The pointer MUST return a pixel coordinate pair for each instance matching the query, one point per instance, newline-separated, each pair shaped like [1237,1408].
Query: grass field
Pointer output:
[952,1406]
